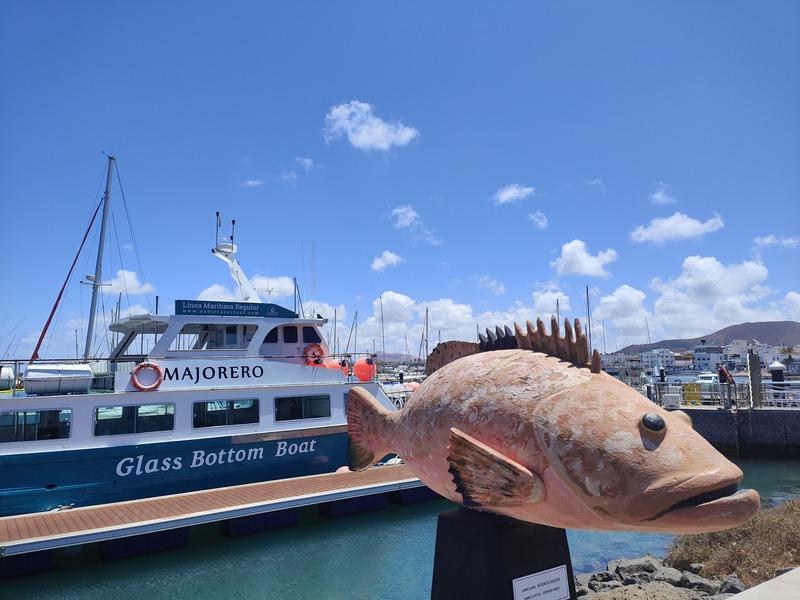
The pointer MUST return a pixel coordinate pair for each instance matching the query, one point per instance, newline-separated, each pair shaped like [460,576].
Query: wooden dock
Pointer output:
[34,532]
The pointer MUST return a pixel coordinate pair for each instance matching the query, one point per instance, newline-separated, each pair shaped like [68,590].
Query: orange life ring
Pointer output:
[314,355]
[147,365]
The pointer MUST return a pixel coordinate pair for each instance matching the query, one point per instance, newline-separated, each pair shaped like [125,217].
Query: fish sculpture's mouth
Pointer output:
[720,508]
[704,498]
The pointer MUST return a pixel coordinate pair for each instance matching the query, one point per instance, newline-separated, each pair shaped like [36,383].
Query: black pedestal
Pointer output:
[480,555]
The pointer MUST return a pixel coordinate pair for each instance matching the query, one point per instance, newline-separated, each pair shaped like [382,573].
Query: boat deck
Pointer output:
[43,531]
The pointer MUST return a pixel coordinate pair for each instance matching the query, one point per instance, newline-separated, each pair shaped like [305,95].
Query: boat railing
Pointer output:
[783,394]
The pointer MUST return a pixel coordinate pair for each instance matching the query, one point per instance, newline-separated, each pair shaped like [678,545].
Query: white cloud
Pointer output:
[544,303]
[790,306]
[127,282]
[784,243]
[254,182]
[290,176]
[538,219]
[407,218]
[218,293]
[596,184]
[493,285]
[512,193]
[773,241]
[624,310]
[709,295]
[662,195]
[677,227]
[306,163]
[363,129]
[575,260]
[387,259]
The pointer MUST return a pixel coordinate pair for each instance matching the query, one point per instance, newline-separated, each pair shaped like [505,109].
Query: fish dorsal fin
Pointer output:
[486,478]
[447,352]
[573,349]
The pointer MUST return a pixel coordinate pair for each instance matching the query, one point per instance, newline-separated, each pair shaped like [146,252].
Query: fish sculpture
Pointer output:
[525,424]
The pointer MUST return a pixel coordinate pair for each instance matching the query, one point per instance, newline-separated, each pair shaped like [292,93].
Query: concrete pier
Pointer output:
[752,432]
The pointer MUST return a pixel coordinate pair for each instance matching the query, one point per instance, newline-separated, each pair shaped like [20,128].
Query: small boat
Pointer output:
[228,393]
[707,377]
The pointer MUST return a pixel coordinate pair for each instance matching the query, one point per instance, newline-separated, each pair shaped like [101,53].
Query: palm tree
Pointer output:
[787,351]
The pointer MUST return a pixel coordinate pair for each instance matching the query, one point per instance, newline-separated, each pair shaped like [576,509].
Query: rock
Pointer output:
[603,586]
[695,568]
[638,570]
[732,585]
[700,584]
[657,590]
[600,577]
[582,584]
[668,575]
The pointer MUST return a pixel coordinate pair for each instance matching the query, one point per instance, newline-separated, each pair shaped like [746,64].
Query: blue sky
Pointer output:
[480,162]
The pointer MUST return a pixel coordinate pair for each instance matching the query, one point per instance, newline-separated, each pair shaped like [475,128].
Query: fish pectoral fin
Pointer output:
[485,477]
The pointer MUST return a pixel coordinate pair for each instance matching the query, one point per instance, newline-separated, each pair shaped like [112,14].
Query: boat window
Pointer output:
[119,420]
[225,412]
[191,337]
[32,425]
[272,336]
[207,336]
[302,407]
[226,337]
[290,334]
[311,335]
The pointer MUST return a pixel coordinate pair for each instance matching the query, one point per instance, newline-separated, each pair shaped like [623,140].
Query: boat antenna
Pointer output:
[224,250]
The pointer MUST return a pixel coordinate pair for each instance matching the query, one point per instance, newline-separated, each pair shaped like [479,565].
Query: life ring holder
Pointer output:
[141,367]
[314,354]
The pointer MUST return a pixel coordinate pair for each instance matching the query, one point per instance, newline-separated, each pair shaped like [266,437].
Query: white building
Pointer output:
[662,357]
[708,356]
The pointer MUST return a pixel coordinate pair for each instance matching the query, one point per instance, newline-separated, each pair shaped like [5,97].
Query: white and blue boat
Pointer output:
[228,393]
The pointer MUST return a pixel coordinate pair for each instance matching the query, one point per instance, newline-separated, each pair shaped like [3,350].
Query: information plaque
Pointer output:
[551,584]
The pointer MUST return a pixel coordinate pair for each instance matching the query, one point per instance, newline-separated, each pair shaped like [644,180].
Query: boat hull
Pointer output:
[45,481]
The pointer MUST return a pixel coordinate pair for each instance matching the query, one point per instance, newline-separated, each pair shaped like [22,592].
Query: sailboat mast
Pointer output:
[98,269]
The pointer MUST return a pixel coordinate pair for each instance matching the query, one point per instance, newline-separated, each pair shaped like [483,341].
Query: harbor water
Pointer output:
[380,555]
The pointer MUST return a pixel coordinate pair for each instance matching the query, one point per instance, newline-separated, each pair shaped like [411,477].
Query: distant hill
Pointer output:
[772,333]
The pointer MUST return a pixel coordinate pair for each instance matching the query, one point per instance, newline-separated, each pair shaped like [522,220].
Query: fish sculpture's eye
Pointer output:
[653,422]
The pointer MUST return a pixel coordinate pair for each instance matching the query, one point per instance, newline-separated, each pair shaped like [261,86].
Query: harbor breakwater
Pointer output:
[753,432]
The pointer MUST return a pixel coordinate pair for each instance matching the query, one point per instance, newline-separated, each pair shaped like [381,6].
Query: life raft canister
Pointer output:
[365,369]
[159,372]
[314,355]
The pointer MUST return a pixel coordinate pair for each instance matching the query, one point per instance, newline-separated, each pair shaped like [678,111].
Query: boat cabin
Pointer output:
[220,329]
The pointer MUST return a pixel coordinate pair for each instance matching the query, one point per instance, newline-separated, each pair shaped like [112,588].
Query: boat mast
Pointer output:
[98,269]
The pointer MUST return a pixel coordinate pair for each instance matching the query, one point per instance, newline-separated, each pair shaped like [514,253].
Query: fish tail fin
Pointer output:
[367,425]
